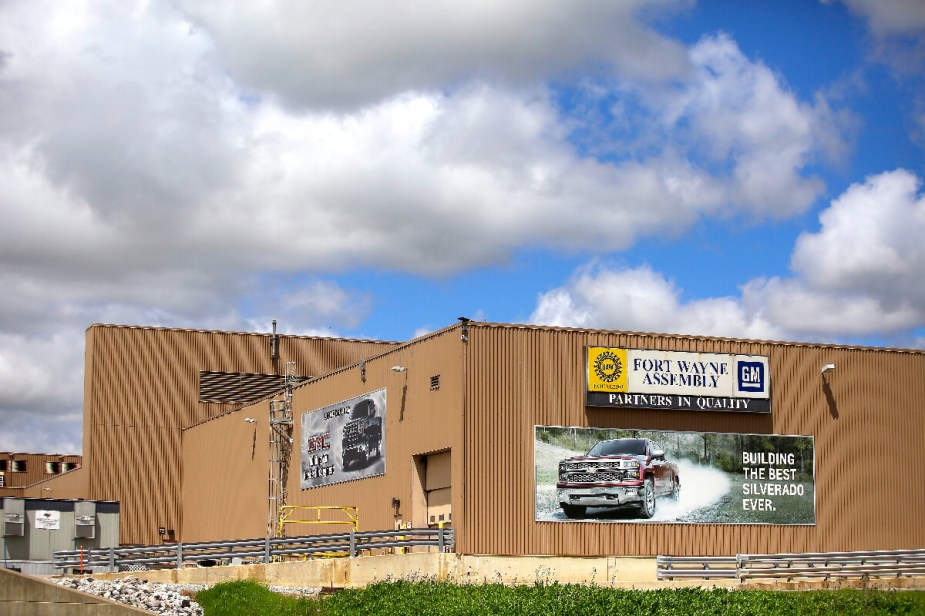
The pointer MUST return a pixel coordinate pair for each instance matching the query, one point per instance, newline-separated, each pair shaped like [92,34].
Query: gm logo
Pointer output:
[750,376]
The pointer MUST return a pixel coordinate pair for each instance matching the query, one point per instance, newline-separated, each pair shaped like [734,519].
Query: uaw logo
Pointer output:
[608,367]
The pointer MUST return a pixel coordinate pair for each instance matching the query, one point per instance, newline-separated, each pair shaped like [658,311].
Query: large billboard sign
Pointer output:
[609,475]
[641,378]
[344,441]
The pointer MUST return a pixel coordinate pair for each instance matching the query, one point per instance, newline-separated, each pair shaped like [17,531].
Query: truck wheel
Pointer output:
[647,507]
[675,489]
[574,511]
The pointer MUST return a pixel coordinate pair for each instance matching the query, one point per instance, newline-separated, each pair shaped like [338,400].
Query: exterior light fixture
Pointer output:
[828,368]
[250,420]
[464,330]
[398,368]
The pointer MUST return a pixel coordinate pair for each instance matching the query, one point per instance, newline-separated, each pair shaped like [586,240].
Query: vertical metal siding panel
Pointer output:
[222,480]
[88,386]
[142,389]
[863,426]
[35,471]
[517,377]
[225,489]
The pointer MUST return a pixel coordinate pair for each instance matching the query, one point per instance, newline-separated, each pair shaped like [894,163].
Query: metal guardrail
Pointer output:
[255,550]
[864,565]
[880,563]
[702,567]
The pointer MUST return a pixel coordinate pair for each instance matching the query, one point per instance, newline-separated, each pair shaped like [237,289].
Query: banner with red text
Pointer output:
[344,441]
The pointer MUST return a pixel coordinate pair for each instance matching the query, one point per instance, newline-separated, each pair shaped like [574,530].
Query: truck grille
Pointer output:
[580,466]
[352,430]
[594,477]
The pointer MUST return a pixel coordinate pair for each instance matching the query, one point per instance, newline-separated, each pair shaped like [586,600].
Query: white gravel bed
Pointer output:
[155,597]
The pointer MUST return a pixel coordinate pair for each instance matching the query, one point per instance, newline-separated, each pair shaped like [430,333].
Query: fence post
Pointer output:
[353,542]
[112,559]
[266,550]
[440,541]
[179,555]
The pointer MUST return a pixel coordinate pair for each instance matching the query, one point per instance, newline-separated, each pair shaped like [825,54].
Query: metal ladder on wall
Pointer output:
[280,450]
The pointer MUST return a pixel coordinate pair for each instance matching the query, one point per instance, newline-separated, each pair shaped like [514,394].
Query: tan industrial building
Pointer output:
[25,474]
[819,452]
[144,385]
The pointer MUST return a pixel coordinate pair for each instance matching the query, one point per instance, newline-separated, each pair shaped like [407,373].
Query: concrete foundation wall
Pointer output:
[23,595]
[458,568]
[604,571]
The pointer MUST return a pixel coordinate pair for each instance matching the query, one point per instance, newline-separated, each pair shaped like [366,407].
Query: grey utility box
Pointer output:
[14,517]
[85,520]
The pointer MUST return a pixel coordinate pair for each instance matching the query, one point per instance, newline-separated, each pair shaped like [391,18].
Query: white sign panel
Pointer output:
[697,374]
[641,378]
[48,520]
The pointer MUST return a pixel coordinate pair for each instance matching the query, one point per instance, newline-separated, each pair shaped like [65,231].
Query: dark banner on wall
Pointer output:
[608,475]
[344,441]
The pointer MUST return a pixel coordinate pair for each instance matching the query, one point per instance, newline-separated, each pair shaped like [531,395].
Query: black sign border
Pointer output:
[678,402]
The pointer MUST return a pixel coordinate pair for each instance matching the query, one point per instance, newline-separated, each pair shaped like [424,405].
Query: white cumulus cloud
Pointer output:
[160,162]
[860,275]
[640,299]
[890,16]
[338,55]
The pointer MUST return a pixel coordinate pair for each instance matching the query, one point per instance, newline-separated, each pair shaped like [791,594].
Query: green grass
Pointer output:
[426,598]
[245,598]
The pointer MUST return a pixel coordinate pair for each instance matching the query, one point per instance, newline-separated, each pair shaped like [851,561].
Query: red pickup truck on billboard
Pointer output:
[623,471]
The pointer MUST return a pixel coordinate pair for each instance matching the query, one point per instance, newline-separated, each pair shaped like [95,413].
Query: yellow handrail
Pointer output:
[287,511]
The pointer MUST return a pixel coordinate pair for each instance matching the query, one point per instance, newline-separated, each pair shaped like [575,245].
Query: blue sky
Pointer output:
[377,170]
[812,47]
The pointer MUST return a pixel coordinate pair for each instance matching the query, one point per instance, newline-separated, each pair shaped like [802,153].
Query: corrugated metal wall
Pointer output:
[866,418]
[868,424]
[225,489]
[14,482]
[71,485]
[141,389]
